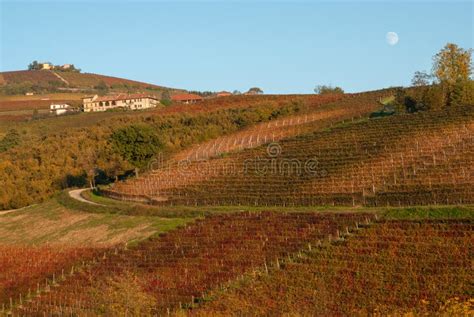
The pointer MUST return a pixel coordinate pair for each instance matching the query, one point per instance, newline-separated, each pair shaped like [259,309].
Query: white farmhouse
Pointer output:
[60,108]
[133,102]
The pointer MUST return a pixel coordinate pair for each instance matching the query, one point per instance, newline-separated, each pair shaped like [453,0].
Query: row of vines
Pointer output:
[392,268]
[177,269]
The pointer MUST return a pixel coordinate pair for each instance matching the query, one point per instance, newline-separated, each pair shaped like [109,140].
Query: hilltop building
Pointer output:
[224,94]
[133,102]
[46,66]
[187,98]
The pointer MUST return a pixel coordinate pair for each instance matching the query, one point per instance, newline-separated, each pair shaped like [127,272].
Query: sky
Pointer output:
[279,46]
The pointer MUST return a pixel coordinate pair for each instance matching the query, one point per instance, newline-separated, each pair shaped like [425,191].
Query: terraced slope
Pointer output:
[192,166]
[392,268]
[176,269]
[423,158]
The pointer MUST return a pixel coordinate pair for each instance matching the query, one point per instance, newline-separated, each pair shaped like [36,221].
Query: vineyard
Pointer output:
[32,77]
[26,269]
[416,159]
[88,80]
[321,112]
[177,269]
[391,268]
[74,79]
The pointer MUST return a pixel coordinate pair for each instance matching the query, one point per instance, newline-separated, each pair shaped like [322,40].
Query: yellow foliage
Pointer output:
[452,64]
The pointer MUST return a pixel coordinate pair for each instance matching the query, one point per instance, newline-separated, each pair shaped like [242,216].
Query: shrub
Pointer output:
[328,89]
[10,140]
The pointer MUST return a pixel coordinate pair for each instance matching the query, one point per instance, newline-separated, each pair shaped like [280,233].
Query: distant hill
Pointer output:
[23,81]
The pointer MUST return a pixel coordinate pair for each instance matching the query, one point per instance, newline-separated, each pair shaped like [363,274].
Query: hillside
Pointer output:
[61,80]
[411,159]
[55,153]
[47,86]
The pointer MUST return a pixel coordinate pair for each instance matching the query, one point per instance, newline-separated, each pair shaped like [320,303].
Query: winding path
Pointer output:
[76,194]
[6,212]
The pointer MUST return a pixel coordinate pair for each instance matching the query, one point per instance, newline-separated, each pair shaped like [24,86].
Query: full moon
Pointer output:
[392,38]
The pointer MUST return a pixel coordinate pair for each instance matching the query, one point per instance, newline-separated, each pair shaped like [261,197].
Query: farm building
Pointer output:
[46,66]
[224,94]
[133,102]
[187,98]
[61,108]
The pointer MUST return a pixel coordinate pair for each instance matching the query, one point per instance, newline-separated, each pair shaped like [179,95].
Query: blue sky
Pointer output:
[282,47]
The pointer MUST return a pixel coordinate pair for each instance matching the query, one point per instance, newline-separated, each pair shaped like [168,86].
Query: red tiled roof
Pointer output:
[124,97]
[184,97]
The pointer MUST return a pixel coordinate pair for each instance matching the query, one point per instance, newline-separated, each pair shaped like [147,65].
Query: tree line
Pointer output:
[447,85]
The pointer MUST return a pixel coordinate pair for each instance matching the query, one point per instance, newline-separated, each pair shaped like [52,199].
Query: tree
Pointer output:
[34,66]
[165,98]
[137,144]
[35,114]
[255,91]
[166,95]
[102,88]
[452,67]
[236,92]
[434,97]
[421,79]
[462,93]
[328,89]
[452,64]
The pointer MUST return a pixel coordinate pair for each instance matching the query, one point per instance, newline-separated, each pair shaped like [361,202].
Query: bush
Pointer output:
[324,89]
[10,140]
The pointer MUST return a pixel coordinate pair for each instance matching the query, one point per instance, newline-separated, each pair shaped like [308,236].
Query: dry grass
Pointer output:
[54,224]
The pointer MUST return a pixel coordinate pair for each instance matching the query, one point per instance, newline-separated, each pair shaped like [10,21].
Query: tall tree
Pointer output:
[452,64]
[34,66]
[102,88]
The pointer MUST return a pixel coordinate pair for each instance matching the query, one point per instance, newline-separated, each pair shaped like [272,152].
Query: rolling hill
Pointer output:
[410,159]
[61,80]
[46,86]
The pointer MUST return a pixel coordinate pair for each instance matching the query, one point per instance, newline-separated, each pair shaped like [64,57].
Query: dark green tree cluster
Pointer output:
[34,65]
[10,140]
[255,91]
[137,144]
[328,89]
